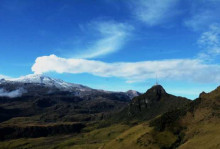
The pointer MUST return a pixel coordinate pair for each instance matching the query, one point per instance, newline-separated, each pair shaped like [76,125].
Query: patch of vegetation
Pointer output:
[99,136]
[87,139]
[165,139]
[10,132]
[133,138]
[168,121]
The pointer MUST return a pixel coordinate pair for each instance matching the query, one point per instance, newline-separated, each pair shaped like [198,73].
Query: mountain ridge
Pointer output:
[152,103]
[195,125]
[42,80]
[55,100]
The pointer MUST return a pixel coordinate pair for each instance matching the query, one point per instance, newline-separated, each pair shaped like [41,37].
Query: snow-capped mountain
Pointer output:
[34,84]
[48,82]
[132,93]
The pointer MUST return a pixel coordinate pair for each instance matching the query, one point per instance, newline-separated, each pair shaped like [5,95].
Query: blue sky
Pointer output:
[114,44]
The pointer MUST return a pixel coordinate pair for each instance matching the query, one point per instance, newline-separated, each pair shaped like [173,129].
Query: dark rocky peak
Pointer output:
[202,94]
[152,95]
[153,103]
[156,90]
[211,96]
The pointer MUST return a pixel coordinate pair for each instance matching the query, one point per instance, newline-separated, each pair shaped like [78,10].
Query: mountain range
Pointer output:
[55,100]
[40,81]
[37,111]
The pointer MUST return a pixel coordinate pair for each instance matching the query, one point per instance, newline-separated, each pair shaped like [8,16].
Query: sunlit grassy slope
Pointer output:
[203,124]
[86,140]
[133,138]
[205,136]
[202,136]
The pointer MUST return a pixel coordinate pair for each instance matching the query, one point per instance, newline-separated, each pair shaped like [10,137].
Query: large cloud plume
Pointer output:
[176,69]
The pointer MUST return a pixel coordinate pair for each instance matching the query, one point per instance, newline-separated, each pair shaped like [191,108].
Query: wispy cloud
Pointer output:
[197,15]
[204,18]
[155,12]
[210,43]
[113,35]
[179,69]
[12,94]
[200,20]
[202,14]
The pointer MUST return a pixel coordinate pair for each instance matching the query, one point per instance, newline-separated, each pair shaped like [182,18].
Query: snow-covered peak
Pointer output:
[43,80]
[47,81]
[32,78]
[132,93]
[36,78]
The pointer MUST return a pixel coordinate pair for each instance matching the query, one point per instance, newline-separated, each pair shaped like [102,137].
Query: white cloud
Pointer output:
[113,36]
[177,69]
[12,94]
[210,43]
[155,12]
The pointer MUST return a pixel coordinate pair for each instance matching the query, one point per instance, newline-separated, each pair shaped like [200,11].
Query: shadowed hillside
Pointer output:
[193,124]
[151,104]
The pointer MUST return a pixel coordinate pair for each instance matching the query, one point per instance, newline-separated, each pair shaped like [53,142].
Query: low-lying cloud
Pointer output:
[12,94]
[177,69]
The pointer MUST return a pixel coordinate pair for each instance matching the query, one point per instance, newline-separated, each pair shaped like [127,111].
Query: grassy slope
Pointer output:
[134,138]
[93,139]
[203,130]
[199,126]
[203,125]
[198,135]
[203,136]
